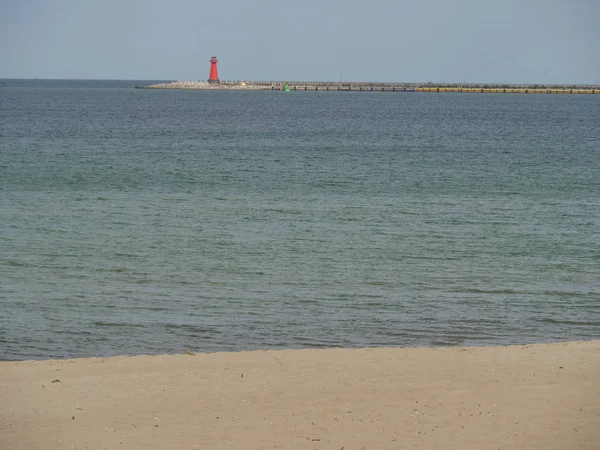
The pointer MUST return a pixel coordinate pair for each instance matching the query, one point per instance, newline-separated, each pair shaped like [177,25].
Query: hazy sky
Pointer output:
[547,41]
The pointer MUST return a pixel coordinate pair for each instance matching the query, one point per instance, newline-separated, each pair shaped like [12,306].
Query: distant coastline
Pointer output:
[379,87]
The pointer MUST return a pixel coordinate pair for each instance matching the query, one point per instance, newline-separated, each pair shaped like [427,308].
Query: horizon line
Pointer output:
[318,81]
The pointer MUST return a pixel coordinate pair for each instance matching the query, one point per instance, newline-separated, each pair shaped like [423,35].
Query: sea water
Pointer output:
[154,221]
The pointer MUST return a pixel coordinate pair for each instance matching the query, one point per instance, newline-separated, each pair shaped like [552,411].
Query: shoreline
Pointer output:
[517,396]
[194,352]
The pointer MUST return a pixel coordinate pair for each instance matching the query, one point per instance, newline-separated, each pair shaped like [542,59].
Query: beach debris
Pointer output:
[56,381]
[189,352]
[278,361]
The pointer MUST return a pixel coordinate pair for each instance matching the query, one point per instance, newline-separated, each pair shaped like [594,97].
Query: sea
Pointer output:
[140,221]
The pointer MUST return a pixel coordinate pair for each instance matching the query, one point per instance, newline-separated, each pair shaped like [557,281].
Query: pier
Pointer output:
[361,86]
[336,86]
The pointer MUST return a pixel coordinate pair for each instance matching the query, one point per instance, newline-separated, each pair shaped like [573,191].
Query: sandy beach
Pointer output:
[531,397]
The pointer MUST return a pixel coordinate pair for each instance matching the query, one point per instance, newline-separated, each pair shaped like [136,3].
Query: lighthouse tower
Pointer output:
[214,75]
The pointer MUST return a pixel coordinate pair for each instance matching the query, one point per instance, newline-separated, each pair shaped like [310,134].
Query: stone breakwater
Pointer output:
[380,87]
[189,84]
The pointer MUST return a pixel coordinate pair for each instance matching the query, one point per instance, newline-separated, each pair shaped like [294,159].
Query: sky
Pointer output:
[510,41]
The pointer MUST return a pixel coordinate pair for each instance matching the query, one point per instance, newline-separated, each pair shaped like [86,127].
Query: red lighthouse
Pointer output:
[214,75]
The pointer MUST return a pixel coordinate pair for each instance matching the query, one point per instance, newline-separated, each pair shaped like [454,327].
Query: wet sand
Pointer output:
[530,397]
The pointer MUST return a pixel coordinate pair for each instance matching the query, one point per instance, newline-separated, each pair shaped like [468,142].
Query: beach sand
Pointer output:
[531,397]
